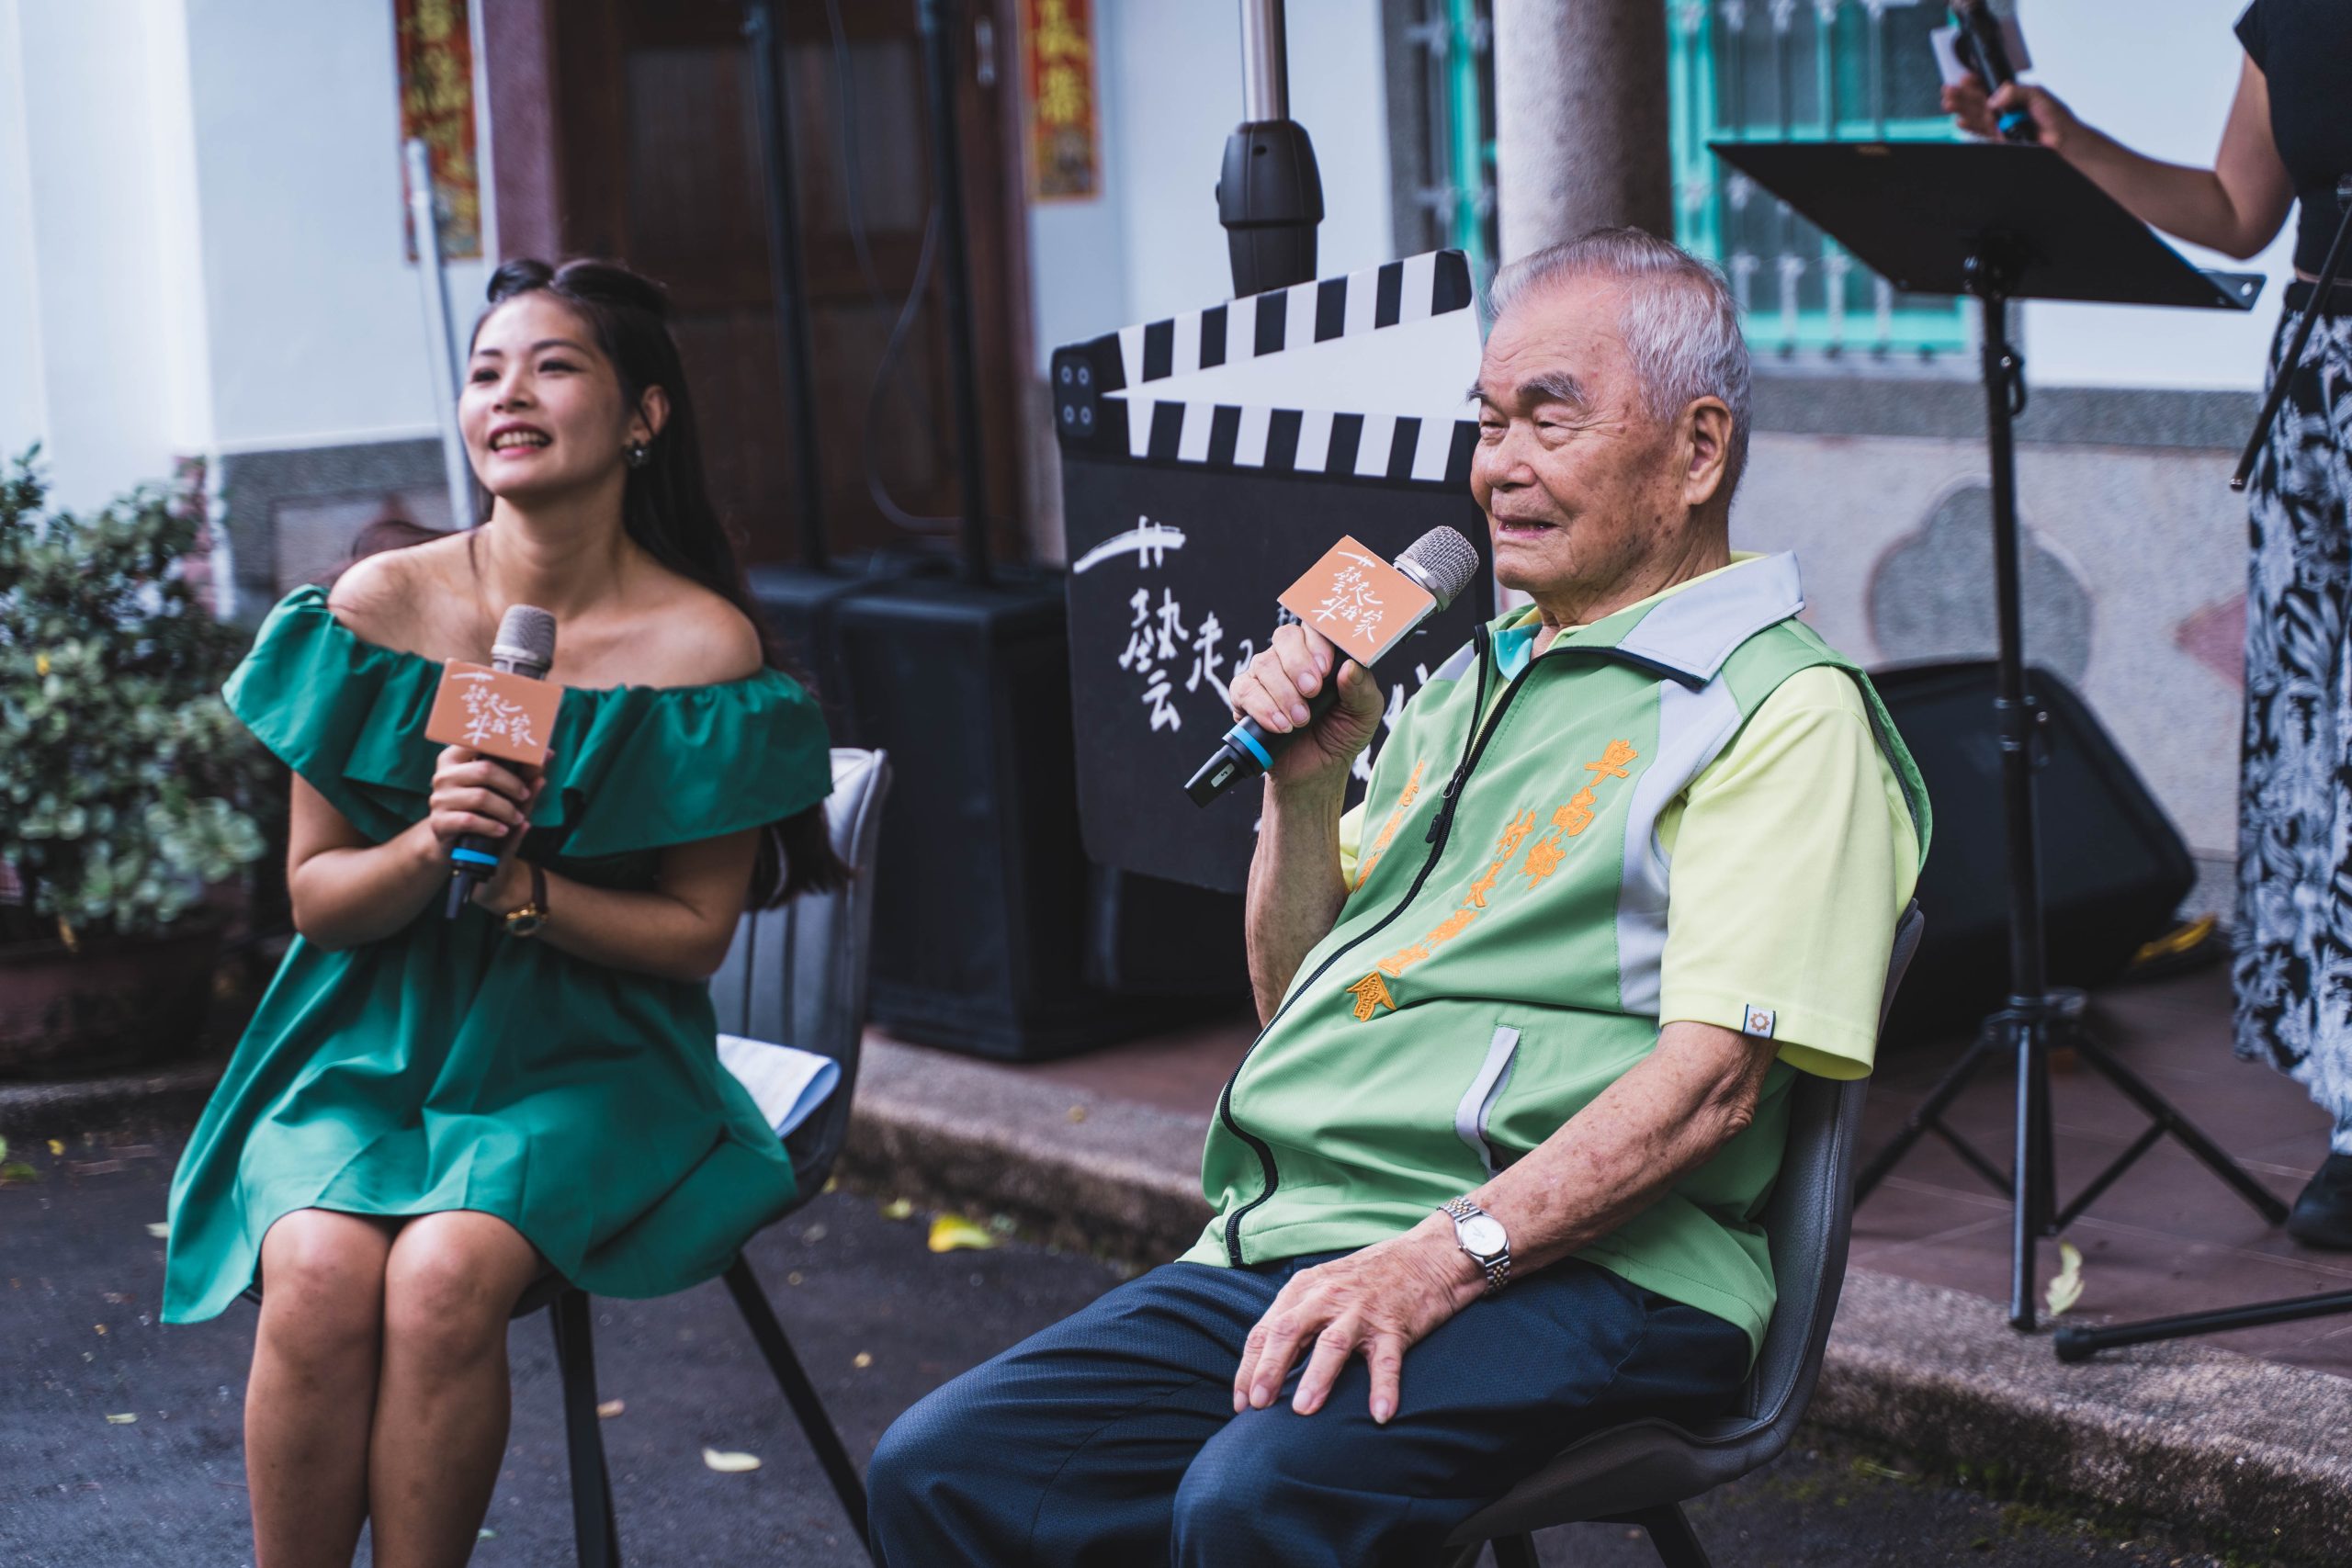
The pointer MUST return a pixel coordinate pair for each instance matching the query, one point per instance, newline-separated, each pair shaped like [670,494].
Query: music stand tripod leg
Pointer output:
[1925,1117]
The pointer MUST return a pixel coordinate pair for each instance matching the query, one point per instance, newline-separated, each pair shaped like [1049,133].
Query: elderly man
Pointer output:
[1490,1176]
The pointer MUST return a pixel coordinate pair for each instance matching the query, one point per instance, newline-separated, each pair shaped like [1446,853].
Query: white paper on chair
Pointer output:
[786,1085]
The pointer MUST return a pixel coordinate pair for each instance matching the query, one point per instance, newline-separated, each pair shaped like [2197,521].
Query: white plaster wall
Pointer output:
[2154,536]
[21,400]
[1077,250]
[2158,75]
[317,333]
[1171,85]
[201,236]
[112,354]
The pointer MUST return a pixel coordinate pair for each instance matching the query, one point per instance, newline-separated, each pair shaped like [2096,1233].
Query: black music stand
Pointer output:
[2002,222]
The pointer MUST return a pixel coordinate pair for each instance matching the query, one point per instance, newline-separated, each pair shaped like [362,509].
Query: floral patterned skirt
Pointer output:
[2293,968]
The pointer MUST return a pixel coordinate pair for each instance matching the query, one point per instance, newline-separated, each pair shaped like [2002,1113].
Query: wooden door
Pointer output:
[659,164]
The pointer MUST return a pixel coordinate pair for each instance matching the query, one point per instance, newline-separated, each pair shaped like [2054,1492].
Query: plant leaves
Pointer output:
[611,1408]
[2067,1287]
[730,1463]
[895,1209]
[17,1170]
[124,1420]
[949,1232]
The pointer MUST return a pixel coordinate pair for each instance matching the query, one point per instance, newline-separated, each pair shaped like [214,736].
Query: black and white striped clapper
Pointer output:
[1347,377]
[1207,460]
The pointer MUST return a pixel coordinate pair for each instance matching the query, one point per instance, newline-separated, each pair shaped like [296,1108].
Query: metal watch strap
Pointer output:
[1495,1267]
[528,921]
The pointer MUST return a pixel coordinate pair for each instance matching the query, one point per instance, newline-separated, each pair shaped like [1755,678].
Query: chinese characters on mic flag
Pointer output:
[500,714]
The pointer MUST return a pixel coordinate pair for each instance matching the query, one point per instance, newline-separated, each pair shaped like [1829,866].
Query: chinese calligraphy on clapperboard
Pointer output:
[490,716]
[1170,649]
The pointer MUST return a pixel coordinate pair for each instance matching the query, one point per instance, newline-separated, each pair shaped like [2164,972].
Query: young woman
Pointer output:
[2288,141]
[427,1115]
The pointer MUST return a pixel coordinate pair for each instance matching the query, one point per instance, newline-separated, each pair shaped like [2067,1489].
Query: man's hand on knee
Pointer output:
[1377,1303]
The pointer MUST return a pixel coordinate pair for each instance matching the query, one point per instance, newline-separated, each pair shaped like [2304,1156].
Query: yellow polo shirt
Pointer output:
[1801,811]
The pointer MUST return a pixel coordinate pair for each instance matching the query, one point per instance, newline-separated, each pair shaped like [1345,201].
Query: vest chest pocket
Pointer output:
[1470,1117]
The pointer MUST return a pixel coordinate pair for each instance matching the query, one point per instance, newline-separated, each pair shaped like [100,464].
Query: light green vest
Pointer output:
[1497,965]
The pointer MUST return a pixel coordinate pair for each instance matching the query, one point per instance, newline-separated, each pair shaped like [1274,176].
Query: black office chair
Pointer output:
[1643,1472]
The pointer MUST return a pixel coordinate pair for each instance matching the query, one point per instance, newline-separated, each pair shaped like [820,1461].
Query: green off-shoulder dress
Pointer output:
[450,1065]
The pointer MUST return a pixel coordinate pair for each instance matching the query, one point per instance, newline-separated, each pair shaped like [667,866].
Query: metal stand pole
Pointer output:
[1269,193]
[786,280]
[941,20]
[2036,1019]
[440,339]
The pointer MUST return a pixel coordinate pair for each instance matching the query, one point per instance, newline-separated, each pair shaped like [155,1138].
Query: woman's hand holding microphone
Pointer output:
[474,792]
[1979,112]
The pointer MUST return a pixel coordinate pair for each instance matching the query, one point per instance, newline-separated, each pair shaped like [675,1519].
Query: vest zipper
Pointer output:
[1474,745]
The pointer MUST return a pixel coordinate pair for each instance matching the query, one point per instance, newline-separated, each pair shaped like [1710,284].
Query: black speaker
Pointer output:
[798,602]
[2114,869]
[993,933]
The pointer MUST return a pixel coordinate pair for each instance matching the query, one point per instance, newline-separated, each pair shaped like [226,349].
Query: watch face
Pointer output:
[1482,1234]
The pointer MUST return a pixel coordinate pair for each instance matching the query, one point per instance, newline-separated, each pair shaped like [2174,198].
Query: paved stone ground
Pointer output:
[79,1277]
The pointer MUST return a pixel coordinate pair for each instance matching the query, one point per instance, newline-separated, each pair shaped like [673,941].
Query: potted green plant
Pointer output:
[122,779]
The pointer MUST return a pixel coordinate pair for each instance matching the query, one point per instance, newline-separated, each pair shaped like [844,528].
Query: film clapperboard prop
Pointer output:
[1208,460]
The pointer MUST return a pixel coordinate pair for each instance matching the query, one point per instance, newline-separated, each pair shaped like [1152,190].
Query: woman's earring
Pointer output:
[637,454]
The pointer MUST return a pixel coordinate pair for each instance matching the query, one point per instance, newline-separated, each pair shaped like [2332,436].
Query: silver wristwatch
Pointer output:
[1481,1235]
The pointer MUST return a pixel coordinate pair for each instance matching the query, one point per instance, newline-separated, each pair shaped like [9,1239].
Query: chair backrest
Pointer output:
[797,975]
[1651,1462]
[1809,1218]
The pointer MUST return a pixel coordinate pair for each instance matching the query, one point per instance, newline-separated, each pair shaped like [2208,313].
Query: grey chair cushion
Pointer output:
[1647,1464]
[797,975]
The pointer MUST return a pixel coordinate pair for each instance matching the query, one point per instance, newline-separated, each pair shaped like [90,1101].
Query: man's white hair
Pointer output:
[1680,321]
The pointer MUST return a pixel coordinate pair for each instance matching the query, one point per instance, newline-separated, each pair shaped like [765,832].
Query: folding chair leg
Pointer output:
[1514,1551]
[1671,1532]
[799,1392]
[595,1534]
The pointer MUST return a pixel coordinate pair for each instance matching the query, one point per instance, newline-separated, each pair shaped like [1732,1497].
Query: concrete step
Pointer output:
[2188,1431]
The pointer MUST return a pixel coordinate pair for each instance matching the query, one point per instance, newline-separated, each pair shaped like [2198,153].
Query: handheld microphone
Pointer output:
[525,647]
[1442,563]
[1984,50]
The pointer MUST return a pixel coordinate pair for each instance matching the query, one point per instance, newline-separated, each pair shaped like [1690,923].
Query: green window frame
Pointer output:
[1802,70]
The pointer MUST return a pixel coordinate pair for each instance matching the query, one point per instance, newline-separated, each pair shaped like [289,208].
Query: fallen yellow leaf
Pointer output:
[2066,1287]
[160,1229]
[1078,1113]
[611,1408]
[730,1463]
[949,1232]
[120,1420]
[57,1145]
[895,1209]
[862,1361]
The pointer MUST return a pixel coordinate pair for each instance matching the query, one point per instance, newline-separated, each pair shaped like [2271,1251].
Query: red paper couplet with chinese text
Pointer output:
[500,714]
[1357,600]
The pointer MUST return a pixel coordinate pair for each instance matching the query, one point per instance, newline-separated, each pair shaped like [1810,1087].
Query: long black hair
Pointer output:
[666,506]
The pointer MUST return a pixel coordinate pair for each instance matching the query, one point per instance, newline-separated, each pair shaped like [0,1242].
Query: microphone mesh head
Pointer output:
[1450,562]
[527,636]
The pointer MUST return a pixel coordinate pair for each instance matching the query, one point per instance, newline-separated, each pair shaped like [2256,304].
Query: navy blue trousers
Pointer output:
[1110,1438]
